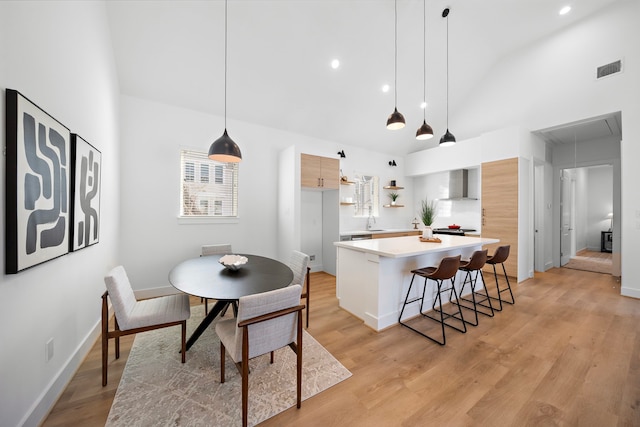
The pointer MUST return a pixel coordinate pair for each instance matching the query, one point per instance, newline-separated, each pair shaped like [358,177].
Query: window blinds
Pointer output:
[201,196]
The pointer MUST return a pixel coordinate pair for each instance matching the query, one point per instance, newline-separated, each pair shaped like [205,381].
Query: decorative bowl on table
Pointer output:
[454,227]
[233,262]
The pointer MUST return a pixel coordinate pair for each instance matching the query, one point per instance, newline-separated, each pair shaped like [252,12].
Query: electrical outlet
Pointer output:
[312,258]
[48,350]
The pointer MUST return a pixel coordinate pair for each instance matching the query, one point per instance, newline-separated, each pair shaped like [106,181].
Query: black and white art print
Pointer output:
[38,185]
[85,184]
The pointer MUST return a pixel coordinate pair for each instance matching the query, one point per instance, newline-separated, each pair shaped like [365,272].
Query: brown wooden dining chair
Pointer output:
[133,316]
[299,264]
[266,322]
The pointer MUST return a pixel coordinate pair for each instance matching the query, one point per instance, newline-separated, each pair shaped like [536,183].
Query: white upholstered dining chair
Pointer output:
[266,322]
[133,316]
[299,264]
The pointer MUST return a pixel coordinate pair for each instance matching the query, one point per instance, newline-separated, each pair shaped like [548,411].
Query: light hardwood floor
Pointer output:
[568,353]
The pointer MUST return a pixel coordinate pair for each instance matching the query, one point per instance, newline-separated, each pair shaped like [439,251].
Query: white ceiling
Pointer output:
[279,54]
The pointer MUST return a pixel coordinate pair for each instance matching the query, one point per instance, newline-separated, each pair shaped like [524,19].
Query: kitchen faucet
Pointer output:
[371,220]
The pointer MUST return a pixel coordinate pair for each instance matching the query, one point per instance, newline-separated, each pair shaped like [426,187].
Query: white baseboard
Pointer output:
[629,292]
[50,395]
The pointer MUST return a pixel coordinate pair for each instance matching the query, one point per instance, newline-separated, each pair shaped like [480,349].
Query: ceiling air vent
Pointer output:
[608,69]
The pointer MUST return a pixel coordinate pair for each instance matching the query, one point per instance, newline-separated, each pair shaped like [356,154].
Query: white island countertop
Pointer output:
[400,247]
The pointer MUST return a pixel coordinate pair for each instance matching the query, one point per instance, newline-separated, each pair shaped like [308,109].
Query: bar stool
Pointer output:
[475,263]
[445,271]
[499,257]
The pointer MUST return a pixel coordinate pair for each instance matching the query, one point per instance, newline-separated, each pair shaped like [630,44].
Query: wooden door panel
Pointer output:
[330,173]
[500,209]
[310,170]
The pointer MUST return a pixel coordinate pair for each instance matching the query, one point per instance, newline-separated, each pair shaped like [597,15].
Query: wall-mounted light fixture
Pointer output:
[392,163]
[341,154]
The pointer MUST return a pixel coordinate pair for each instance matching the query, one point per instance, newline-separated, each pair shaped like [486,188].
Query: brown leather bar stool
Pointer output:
[499,257]
[446,270]
[475,264]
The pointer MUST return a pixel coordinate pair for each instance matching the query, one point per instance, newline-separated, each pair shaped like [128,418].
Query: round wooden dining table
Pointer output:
[206,277]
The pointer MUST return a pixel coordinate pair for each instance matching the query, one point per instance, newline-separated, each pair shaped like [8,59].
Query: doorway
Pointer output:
[576,227]
[586,202]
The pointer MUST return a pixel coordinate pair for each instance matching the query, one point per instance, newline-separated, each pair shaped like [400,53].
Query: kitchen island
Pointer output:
[373,275]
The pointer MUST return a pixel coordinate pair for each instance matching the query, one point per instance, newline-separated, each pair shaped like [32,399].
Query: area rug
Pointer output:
[157,390]
[590,263]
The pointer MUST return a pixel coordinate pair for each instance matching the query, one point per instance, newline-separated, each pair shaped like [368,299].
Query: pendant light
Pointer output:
[224,149]
[395,120]
[425,131]
[447,139]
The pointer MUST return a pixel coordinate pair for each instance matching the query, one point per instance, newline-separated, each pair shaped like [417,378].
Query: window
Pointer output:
[189,171]
[199,196]
[367,196]
[204,173]
[219,174]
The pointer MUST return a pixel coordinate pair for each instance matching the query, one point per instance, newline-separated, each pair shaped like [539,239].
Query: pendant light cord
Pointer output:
[225,65]
[447,72]
[395,70]
[424,58]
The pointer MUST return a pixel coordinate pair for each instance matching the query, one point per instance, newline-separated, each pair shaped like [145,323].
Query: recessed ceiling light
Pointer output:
[423,105]
[385,88]
[565,10]
[335,64]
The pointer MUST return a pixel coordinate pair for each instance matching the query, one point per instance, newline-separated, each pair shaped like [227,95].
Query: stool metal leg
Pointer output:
[478,301]
[472,284]
[500,291]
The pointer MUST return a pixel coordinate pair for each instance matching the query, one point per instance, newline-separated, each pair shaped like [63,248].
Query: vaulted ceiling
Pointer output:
[279,55]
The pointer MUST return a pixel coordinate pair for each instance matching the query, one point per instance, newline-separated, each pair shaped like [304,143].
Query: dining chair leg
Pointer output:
[117,339]
[184,341]
[222,351]
[245,376]
[105,338]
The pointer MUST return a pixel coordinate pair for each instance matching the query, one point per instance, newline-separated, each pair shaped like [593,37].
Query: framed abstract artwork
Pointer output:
[38,185]
[85,189]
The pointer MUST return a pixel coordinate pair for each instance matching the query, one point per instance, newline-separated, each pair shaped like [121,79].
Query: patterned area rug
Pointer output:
[157,390]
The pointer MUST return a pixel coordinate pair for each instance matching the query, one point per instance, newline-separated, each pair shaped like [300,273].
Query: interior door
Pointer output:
[567,220]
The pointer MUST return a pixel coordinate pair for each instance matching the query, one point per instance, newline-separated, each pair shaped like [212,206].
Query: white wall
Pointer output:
[466,213]
[59,55]
[360,162]
[153,240]
[553,83]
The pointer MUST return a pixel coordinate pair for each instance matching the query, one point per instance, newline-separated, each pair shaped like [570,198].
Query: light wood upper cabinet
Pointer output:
[500,209]
[319,172]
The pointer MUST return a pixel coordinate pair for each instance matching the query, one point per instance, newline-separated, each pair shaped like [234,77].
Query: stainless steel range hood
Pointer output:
[459,185]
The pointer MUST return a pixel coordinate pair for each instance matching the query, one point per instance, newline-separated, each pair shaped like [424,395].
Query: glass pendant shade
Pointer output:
[447,139]
[225,150]
[395,120]
[424,132]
